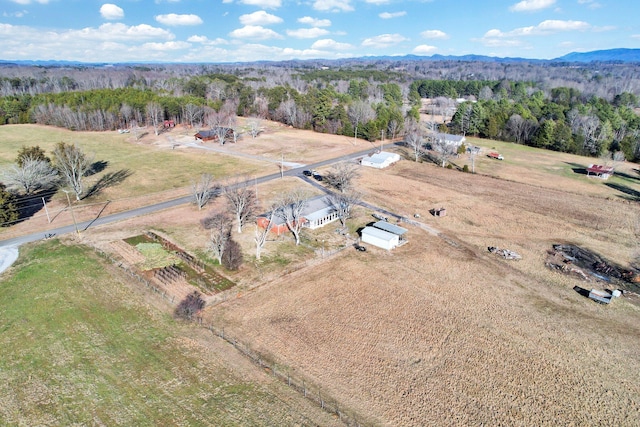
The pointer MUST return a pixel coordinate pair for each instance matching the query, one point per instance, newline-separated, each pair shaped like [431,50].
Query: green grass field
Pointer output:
[81,348]
[152,168]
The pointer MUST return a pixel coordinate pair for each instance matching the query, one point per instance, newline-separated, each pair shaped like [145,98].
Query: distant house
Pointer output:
[449,139]
[384,235]
[168,124]
[212,134]
[600,171]
[318,212]
[380,160]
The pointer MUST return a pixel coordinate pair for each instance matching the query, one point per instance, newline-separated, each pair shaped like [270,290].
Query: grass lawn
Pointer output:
[153,168]
[79,347]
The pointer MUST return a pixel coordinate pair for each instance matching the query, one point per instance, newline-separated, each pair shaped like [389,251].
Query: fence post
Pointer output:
[304,387]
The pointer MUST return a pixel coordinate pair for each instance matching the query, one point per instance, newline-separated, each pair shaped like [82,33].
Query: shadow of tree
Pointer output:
[631,194]
[96,167]
[576,168]
[627,176]
[29,205]
[108,180]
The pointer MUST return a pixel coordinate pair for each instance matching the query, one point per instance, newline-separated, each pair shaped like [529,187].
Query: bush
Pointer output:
[465,168]
[232,256]
[449,166]
[190,306]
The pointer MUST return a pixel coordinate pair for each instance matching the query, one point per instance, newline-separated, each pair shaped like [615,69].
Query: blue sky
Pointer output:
[251,30]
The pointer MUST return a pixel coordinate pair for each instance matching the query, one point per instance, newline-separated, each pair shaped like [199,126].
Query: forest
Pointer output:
[588,109]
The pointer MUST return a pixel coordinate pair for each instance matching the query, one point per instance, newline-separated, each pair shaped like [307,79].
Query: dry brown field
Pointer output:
[440,331]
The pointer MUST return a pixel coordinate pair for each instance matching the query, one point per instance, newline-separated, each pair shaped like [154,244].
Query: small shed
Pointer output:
[600,171]
[380,238]
[380,160]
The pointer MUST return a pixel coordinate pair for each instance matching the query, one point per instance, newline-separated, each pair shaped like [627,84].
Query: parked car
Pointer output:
[307,173]
[360,248]
[495,155]
[317,177]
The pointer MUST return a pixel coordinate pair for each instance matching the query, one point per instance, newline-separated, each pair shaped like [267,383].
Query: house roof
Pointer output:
[449,137]
[317,207]
[391,228]
[381,157]
[380,234]
[600,169]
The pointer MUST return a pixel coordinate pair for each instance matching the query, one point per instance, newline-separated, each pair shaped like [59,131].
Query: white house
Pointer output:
[380,238]
[380,160]
[318,212]
[448,139]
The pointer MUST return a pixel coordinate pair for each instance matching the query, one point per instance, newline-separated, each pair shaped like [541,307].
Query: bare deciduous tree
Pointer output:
[290,208]
[343,203]
[154,115]
[241,200]
[254,124]
[219,226]
[414,137]
[202,190]
[31,176]
[342,175]
[73,164]
[261,234]
[360,112]
[193,114]
[445,149]
[232,256]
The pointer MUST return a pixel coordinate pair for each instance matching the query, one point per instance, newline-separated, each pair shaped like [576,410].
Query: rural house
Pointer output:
[384,235]
[448,139]
[318,212]
[600,171]
[212,134]
[380,160]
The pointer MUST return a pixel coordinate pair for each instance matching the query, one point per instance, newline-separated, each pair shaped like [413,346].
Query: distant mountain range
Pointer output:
[609,55]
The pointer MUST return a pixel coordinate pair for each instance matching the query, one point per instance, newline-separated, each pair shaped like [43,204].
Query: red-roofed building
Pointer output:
[600,171]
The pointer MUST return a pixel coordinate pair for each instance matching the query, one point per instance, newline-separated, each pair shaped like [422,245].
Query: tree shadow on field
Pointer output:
[108,180]
[29,205]
[630,193]
[96,167]
[628,177]
[576,168]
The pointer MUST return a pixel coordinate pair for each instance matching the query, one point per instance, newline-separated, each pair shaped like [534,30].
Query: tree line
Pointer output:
[362,103]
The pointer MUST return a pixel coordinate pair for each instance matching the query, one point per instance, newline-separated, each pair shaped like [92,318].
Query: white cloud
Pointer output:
[424,49]
[118,31]
[434,34]
[591,4]
[206,41]
[314,22]
[172,45]
[389,15]
[384,40]
[30,1]
[173,19]
[531,5]
[263,4]
[378,2]
[254,32]
[307,33]
[544,28]
[331,45]
[333,5]
[260,18]
[111,11]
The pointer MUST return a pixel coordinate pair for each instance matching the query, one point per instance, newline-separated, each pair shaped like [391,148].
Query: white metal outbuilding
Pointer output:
[380,238]
[380,160]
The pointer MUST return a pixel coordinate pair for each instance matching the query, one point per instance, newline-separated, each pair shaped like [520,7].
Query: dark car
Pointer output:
[360,248]
[307,173]
[317,177]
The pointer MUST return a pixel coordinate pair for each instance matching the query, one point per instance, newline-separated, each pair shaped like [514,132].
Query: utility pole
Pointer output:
[72,213]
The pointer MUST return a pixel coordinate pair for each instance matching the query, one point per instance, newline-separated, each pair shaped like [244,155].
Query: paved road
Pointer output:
[84,225]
